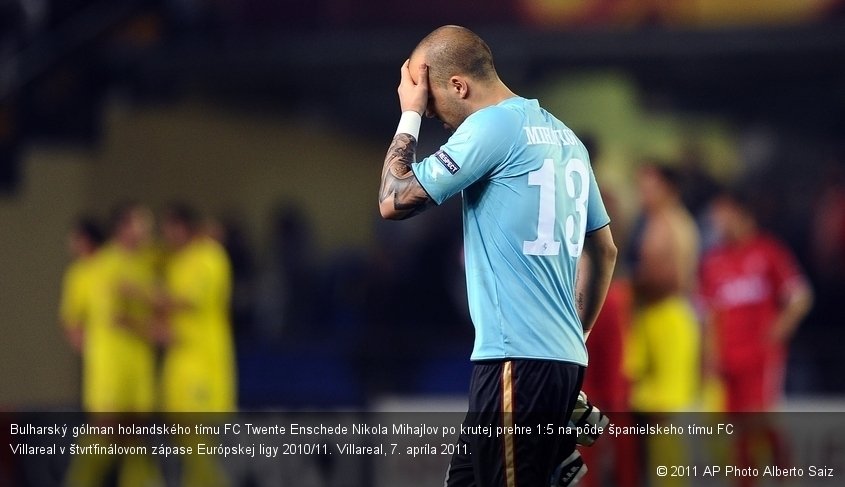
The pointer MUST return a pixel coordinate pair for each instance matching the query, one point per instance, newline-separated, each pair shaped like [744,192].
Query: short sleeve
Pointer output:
[785,270]
[473,151]
[596,212]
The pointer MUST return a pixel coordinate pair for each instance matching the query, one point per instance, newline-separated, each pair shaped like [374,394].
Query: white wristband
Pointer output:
[409,123]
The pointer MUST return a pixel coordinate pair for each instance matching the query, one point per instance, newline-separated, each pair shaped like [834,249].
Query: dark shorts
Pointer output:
[515,394]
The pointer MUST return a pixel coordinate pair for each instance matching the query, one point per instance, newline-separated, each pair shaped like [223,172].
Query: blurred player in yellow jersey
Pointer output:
[198,374]
[662,355]
[84,240]
[663,350]
[118,355]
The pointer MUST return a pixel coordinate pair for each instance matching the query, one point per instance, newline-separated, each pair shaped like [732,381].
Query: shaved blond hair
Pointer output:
[453,50]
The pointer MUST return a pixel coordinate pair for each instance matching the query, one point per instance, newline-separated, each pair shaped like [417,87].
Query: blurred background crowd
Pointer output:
[272,117]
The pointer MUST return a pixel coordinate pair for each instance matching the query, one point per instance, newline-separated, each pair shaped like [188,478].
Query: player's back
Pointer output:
[687,241]
[199,274]
[199,371]
[525,223]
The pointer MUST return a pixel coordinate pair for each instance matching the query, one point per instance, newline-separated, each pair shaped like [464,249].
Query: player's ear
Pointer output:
[459,86]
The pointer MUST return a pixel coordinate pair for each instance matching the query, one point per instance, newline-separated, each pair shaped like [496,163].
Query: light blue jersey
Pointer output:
[529,197]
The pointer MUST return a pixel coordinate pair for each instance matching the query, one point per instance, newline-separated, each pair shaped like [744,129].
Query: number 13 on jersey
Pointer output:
[577,186]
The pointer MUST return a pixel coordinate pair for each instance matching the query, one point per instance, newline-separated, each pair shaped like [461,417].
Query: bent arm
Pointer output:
[400,194]
[595,273]
[797,305]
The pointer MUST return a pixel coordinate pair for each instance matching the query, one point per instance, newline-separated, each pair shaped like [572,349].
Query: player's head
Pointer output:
[658,184]
[85,237]
[131,224]
[460,67]
[180,223]
[732,215]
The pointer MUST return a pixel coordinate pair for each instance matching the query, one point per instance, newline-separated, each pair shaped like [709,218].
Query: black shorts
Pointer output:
[496,447]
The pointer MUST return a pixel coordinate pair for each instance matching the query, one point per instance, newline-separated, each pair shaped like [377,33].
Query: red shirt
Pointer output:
[743,285]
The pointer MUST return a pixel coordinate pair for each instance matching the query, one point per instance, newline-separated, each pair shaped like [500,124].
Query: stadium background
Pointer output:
[274,117]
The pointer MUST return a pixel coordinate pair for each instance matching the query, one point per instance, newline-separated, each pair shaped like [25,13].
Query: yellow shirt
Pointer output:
[199,369]
[662,357]
[118,359]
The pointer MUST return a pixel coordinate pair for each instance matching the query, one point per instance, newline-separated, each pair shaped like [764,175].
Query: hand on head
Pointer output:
[413,95]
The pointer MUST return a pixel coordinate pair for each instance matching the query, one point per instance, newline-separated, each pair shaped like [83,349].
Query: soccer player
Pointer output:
[193,325]
[755,296]
[118,356]
[198,374]
[84,240]
[662,353]
[531,206]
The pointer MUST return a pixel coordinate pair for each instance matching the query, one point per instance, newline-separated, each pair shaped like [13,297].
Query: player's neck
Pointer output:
[496,93]
[502,92]
[186,242]
[745,235]
[128,245]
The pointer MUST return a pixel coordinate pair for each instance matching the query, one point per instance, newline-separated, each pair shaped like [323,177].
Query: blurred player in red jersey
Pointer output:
[755,296]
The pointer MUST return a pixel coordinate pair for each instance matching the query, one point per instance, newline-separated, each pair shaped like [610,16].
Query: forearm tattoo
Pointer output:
[398,180]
